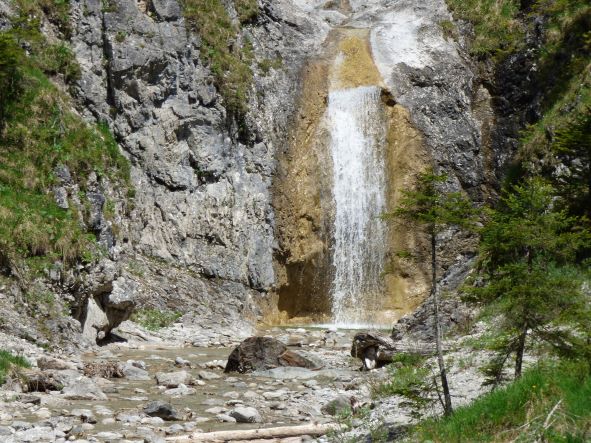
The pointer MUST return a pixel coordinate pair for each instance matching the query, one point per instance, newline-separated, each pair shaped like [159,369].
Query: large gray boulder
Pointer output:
[261,353]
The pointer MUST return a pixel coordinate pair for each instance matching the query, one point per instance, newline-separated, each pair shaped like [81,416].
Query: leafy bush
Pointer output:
[7,361]
[155,319]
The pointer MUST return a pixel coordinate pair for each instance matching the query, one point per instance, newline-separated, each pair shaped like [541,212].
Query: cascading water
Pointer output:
[357,132]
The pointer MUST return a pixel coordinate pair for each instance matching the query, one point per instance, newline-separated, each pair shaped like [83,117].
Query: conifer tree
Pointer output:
[435,210]
[531,280]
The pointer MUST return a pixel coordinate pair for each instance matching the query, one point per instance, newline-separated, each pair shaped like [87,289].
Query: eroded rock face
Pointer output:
[202,197]
[261,353]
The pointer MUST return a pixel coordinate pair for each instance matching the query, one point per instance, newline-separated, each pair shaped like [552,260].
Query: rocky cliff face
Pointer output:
[202,203]
[201,233]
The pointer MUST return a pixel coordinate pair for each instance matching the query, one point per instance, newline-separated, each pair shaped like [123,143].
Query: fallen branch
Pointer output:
[252,434]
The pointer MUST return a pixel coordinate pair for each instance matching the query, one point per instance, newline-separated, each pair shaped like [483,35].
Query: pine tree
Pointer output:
[528,255]
[435,210]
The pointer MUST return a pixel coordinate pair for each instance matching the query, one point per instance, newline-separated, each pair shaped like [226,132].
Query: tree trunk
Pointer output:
[519,352]
[447,407]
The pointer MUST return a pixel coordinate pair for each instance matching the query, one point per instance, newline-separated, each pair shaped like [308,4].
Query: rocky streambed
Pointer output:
[153,390]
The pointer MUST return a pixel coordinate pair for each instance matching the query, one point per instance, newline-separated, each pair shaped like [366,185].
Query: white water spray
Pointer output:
[357,130]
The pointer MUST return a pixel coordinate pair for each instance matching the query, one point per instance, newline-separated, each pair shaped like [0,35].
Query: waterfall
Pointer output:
[357,139]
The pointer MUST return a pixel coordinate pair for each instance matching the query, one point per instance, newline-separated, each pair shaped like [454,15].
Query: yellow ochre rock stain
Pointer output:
[354,66]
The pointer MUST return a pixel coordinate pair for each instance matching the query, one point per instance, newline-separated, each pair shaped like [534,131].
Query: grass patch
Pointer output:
[550,402]
[8,361]
[229,58]
[496,27]
[39,132]
[155,319]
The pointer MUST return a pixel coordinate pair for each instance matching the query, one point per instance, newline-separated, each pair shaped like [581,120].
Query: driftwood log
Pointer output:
[376,350]
[258,434]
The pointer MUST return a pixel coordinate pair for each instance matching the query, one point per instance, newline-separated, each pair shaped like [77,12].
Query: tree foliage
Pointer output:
[528,263]
[434,209]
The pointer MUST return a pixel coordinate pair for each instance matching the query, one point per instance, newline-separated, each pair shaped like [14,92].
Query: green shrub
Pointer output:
[155,319]
[7,361]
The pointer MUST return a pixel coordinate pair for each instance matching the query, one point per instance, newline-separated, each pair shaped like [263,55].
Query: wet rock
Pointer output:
[215,410]
[29,399]
[133,372]
[161,409]
[173,379]
[181,390]
[226,418]
[174,429]
[181,362]
[260,353]
[246,415]
[84,389]
[205,375]
[127,417]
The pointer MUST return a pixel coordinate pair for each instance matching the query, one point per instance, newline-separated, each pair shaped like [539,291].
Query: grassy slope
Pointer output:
[563,62]
[39,133]
[550,402]
[524,410]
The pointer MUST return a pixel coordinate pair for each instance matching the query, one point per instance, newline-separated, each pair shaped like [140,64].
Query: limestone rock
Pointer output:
[260,353]
[173,379]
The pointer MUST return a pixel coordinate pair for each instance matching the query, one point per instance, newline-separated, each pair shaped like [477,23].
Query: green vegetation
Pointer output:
[409,377]
[266,64]
[228,55]
[434,210]
[528,256]
[155,319]
[247,10]
[550,403]
[8,361]
[39,133]
[496,26]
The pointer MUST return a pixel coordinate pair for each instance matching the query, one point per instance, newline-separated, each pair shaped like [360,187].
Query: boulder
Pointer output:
[261,353]
[173,379]
[244,414]
[83,389]
[161,409]
[108,310]
[132,372]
